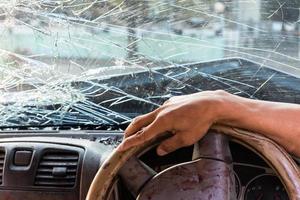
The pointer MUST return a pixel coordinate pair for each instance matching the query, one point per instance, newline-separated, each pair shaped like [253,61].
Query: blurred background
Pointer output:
[76,36]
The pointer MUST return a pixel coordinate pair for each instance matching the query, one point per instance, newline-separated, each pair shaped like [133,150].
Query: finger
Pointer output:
[154,129]
[173,143]
[138,123]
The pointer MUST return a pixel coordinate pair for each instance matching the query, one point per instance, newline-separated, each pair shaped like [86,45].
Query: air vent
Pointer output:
[57,169]
[2,158]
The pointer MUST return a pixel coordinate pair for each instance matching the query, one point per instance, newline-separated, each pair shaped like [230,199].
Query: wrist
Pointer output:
[219,104]
[230,109]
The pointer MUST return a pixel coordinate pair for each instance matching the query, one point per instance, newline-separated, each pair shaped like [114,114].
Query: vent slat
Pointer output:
[49,170]
[55,184]
[66,158]
[57,159]
[54,178]
[2,160]
[58,164]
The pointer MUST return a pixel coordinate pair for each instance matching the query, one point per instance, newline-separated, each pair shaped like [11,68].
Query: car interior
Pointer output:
[74,74]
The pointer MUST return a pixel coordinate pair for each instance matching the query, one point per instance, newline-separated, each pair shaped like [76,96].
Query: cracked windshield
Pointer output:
[100,63]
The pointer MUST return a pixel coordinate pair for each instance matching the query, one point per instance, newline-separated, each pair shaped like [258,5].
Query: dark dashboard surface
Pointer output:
[45,167]
[60,165]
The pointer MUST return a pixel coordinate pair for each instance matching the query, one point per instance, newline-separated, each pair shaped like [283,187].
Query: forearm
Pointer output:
[278,121]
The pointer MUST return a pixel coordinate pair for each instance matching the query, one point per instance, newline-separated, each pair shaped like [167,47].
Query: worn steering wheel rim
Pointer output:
[277,158]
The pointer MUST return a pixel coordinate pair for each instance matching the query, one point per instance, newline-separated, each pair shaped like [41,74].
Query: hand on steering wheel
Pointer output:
[277,158]
[187,117]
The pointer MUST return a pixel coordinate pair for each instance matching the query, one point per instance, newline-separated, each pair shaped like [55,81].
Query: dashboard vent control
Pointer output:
[57,169]
[2,159]
[22,157]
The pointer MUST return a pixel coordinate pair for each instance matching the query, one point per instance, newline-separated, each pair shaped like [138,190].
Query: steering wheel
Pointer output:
[210,176]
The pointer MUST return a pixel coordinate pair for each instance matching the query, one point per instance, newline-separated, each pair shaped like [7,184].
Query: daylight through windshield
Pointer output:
[103,62]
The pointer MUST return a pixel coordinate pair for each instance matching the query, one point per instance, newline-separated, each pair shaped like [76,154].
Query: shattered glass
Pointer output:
[102,62]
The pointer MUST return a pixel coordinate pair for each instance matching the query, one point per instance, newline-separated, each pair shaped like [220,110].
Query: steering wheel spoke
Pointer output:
[209,175]
[205,178]
[135,174]
[213,146]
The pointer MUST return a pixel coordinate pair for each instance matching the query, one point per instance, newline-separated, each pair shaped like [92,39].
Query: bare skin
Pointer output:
[189,117]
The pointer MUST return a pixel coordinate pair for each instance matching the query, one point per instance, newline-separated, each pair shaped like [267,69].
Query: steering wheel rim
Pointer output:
[276,157]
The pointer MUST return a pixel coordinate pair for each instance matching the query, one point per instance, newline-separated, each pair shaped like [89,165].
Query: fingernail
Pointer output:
[161,152]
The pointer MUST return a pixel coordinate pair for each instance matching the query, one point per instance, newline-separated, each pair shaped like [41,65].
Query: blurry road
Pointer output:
[104,48]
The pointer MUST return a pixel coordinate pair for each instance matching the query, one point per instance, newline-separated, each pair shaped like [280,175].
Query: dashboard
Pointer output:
[58,165]
[50,165]
[254,179]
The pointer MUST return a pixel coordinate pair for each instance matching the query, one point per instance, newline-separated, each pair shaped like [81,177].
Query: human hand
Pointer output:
[187,117]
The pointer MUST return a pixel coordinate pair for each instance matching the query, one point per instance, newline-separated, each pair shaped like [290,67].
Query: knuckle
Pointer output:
[127,142]
[170,114]
[220,92]
[172,98]
[163,118]
[135,140]
[142,136]
[137,120]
